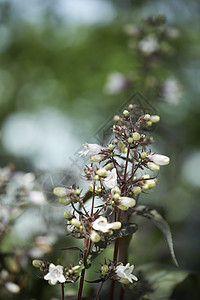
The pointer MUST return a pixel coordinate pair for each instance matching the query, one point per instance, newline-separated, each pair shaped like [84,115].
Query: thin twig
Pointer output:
[99,291]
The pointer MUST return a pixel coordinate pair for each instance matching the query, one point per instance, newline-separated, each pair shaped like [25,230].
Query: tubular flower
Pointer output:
[159,159]
[125,274]
[101,224]
[91,149]
[55,274]
[111,178]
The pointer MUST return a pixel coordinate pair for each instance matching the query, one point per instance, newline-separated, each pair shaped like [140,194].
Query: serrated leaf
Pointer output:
[126,229]
[158,220]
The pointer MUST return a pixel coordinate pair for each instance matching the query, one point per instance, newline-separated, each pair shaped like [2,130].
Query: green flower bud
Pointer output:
[111,147]
[67,215]
[104,270]
[60,191]
[101,172]
[147,117]
[155,119]
[148,123]
[77,192]
[95,237]
[37,263]
[130,106]
[130,140]
[116,196]
[64,200]
[145,186]
[116,225]
[136,136]
[126,113]
[143,155]
[136,190]
[75,222]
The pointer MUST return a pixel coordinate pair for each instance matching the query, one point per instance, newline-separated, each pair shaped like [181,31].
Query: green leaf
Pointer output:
[158,220]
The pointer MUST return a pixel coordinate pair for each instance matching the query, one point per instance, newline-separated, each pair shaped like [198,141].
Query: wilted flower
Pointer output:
[159,159]
[125,274]
[55,274]
[111,179]
[91,149]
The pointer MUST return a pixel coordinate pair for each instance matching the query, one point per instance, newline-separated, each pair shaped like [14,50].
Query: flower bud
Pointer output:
[126,113]
[136,136]
[109,166]
[148,123]
[95,237]
[75,222]
[115,190]
[101,172]
[136,190]
[155,119]
[143,155]
[60,191]
[97,157]
[130,140]
[77,269]
[64,200]
[159,159]
[130,106]
[104,270]
[77,192]
[111,147]
[116,118]
[96,177]
[145,186]
[116,225]
[126,201]
[153,167]
[151,183]
[147,117]
[116,196]
[67,215]
[37,263]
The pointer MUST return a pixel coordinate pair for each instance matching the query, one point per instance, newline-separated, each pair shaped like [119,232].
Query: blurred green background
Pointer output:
[65,68]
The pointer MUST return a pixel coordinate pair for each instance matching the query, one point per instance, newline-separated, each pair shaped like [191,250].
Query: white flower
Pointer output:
[125,203]
[97,157]
[171,91]
[91,149]
[116,82]
[148,45]
[159,159]
[111,178]
[12,287]
[55,274]
[124,272]
[101,224]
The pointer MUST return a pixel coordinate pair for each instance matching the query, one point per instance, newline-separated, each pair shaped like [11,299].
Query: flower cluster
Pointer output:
[113,179]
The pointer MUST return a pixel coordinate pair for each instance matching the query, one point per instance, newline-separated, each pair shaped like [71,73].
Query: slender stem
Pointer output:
[63,291]
[112,287]
[93,197]
[99,291]
[81,284]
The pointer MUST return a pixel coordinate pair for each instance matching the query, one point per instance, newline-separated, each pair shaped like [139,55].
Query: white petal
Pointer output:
[61,279]
[52,267]
[47,277]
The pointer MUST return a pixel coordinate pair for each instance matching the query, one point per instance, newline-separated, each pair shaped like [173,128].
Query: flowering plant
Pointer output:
[115,176]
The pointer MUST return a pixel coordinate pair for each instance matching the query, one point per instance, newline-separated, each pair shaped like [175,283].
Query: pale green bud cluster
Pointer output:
[126,113]
[104,270]
[37,263]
